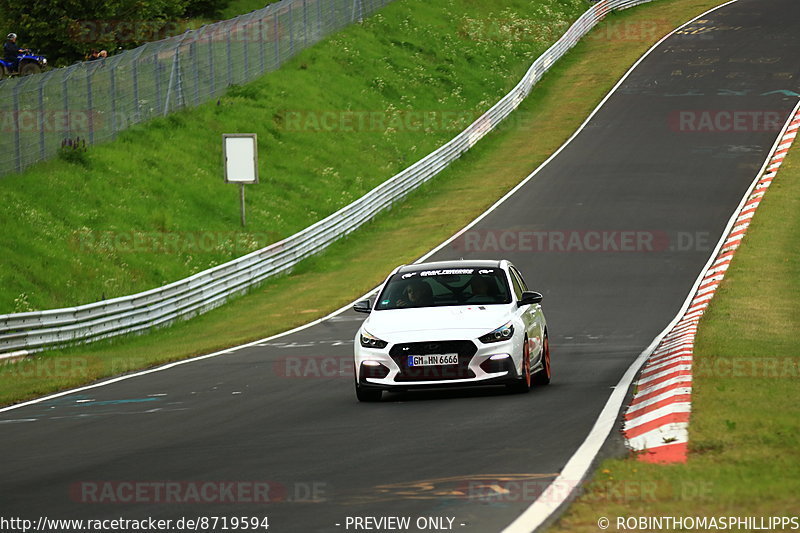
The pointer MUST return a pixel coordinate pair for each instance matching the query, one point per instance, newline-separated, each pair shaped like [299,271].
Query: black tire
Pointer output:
[3,73]
[523,384]
[28,68]
[542,377]
[368,395]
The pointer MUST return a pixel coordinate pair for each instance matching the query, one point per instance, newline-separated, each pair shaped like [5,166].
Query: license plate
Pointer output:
[433,360]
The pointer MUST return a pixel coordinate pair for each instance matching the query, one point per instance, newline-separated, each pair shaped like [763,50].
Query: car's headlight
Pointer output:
[503,333]
[371,341]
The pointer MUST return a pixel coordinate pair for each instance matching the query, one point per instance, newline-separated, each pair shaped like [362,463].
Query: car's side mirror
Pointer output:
[530,298]
[364,306]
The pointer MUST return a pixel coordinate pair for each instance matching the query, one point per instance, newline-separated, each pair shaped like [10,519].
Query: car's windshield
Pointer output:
[444,287]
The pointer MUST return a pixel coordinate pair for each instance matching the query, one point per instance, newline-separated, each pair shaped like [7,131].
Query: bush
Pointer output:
[73,151]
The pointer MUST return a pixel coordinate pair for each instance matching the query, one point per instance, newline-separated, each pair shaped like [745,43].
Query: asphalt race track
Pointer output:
[613,232]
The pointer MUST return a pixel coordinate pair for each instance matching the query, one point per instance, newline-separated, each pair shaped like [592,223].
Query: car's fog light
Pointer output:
[373,369]
[500,362]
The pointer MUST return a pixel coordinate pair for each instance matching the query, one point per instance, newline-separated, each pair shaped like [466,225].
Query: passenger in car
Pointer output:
[417,294]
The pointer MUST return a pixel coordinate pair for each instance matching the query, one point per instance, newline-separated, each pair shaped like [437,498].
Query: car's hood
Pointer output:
[470,320]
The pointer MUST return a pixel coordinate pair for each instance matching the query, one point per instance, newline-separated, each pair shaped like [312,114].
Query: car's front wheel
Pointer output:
[542,377]
[368,395]
[523,384]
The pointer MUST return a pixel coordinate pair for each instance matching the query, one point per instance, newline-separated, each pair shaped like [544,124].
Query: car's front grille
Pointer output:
[465,350]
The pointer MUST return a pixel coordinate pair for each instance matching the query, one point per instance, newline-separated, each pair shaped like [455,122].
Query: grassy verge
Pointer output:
[332,123]
[358,263]
[744,435]
[240,7]
[233,9]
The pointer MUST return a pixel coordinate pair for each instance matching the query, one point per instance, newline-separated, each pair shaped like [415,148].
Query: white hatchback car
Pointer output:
[453,323]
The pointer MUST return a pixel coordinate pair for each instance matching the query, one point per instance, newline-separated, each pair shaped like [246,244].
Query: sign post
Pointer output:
[240,159]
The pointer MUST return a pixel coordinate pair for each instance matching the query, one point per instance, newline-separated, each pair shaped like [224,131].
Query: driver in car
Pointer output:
[481,289]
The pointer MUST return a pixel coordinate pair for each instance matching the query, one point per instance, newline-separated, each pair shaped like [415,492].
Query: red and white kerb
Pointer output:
[656,422]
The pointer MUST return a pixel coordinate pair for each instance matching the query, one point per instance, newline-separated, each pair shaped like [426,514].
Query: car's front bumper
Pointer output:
[479,364]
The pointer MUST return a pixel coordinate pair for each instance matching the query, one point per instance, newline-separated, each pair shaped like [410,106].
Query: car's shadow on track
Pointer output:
[456,393]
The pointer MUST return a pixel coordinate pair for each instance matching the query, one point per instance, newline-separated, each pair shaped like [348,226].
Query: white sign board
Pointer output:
[240,155]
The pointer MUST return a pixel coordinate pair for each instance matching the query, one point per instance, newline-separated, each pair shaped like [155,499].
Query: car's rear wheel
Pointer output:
[524,382]
[542,377]
[368,395]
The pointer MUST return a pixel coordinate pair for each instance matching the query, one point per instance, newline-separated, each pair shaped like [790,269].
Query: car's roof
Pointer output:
[442,265]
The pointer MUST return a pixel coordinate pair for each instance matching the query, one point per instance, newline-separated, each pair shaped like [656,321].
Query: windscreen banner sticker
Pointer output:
[447,272]
[409,275]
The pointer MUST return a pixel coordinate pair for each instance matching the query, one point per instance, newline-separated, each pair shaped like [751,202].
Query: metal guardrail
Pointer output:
[95,100]
[34,331]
